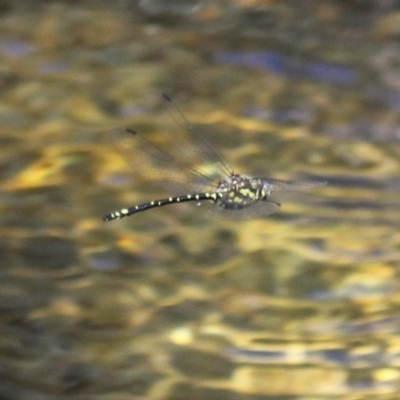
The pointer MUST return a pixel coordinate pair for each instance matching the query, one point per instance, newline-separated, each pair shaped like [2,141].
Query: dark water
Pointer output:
[174,303]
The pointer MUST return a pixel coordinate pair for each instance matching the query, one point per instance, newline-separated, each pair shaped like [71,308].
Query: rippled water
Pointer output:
[174,303]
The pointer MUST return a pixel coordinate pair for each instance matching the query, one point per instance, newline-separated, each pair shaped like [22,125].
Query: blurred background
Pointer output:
[175,303]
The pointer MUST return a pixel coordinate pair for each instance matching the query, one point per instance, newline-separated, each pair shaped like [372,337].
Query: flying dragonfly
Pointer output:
[230,194]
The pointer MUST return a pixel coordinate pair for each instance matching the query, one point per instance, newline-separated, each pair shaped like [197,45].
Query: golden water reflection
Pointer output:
[173,303]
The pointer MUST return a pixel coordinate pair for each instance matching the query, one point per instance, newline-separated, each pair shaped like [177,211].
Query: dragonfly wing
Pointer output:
[280,185]
[150,162]
[253,210]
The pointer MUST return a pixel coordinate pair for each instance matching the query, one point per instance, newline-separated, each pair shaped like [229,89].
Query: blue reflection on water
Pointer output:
[15,48]
[294,68]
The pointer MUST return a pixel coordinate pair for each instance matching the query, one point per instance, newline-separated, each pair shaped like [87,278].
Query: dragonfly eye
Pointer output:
[268,188]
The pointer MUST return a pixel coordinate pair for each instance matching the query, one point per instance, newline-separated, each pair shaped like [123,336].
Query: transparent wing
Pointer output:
[253,210]
[185,141]
[280,185]
[152,163]
[172,152]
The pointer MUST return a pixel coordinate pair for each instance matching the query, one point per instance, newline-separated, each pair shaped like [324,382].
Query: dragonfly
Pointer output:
[229,194]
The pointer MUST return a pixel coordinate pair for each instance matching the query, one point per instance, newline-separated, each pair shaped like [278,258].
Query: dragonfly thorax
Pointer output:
[240,191]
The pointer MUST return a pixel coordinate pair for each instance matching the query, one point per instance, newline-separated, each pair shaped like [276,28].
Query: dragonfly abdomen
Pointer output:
[126,212]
